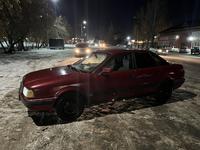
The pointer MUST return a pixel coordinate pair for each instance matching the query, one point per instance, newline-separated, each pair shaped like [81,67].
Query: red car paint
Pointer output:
[95,86]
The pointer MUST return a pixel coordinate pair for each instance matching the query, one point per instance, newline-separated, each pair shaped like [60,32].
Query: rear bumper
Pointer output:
[178,83]
[195,52]
[80,55]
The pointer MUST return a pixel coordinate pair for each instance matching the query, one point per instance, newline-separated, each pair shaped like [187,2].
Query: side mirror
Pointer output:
[106,71]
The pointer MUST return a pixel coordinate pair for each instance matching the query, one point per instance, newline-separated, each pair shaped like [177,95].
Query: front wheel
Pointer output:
[164,93]
[70,107]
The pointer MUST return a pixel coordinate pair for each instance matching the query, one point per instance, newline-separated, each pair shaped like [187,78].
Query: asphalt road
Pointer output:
[188,59]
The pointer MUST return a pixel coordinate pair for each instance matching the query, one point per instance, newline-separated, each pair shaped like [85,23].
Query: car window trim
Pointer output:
[134,61]
[96,70]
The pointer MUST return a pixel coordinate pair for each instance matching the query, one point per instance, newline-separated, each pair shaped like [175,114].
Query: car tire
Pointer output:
[38,119]
[164,93]
[70,107]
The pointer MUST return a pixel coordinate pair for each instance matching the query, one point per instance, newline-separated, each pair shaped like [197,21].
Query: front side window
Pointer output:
[121,63]
[88,64]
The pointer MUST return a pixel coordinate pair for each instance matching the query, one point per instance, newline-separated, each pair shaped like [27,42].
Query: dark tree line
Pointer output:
[150,20]
[27,19]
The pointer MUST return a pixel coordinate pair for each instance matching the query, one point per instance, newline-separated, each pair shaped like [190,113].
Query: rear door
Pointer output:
[147,75]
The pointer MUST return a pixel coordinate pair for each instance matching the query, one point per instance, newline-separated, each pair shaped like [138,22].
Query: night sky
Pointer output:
[101,13]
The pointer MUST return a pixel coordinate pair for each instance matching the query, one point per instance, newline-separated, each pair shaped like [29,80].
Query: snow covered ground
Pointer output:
[14,67]
[129,124]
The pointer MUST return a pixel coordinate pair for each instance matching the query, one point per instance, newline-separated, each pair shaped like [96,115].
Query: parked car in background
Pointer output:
[160,51]
[121,46]
[103,76]
[102,44]
[195,50]
[153,49]
[175,49]
[82,50]
[183,50]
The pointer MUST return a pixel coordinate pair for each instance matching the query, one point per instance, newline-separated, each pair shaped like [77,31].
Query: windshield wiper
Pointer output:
[75,69]
[72,67]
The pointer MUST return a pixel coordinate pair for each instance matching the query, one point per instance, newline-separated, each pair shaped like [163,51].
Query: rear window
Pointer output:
[147,60]
[159,61]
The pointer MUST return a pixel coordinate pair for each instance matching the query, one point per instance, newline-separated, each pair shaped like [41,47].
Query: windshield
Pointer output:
[82,45]
[91,62]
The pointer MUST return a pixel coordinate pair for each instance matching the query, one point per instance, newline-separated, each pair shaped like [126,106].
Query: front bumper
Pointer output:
[39,104]
[43,105]
[80,54]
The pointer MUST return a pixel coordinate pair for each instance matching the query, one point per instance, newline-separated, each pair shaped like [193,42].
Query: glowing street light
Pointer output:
[133,41]
[191,38]
[177,37]
[84,22]
[128,38]
[84,30]
[55,1]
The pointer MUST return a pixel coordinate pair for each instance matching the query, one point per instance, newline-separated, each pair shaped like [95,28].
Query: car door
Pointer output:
[117,83]
[146,76]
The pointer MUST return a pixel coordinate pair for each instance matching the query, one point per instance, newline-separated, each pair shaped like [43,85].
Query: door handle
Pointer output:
[144,76]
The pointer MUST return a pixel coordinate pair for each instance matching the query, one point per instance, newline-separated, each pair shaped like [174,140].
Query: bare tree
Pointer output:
[60,29]
[41,22]
[19,19]
[110,34]
[151,19]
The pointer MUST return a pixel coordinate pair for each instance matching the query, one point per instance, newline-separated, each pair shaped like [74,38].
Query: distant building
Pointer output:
[180,36]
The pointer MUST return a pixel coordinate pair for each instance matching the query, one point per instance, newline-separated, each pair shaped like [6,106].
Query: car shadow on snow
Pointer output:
[117,107]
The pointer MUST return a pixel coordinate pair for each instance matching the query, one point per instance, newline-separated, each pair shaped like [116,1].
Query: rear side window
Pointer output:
[121,63]
[144,60]
[159,61]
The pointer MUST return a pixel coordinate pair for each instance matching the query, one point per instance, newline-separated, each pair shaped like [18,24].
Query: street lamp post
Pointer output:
[191,39]
[84,30]
[128,38]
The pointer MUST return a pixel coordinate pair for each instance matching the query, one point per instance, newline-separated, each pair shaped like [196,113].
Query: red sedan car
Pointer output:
[103,76]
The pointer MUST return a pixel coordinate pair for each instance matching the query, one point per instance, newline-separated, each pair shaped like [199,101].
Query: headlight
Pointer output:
[160,50]
[88,51]
[77,50]
[167,51]
[103,45]
[28,93]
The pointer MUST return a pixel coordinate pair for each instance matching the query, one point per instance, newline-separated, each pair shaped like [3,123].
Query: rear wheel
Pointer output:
[70,107]
[164,93]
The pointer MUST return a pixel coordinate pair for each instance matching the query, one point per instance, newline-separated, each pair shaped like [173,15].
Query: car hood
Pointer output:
[50,76]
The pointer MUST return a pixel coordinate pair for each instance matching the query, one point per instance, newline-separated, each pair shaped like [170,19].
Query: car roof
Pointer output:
[119,51]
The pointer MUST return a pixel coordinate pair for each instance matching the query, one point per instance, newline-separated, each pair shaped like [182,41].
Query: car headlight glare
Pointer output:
[77,51]
[160,50]
[88,51]
[28,93]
